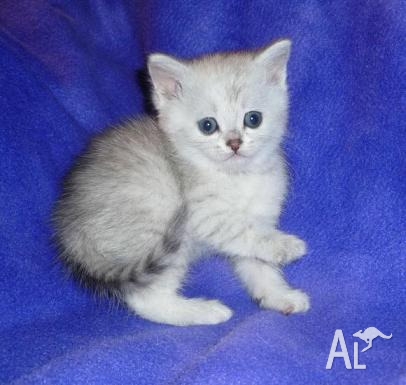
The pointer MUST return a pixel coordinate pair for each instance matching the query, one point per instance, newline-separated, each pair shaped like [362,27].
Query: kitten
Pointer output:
[147,196]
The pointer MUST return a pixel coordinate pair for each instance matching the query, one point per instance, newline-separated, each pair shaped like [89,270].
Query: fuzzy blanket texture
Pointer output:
[70,68]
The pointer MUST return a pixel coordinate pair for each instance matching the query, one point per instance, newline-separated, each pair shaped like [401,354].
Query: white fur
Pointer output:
[176,310]
[147,196]
[234,202]
[161,302]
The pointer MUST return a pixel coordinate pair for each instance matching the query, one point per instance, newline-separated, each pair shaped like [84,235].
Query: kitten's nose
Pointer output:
[234,144]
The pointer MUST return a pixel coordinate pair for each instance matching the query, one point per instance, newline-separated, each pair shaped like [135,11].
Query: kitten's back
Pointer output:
[122,207]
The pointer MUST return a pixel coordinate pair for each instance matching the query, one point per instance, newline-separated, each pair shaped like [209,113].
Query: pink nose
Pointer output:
[234,144]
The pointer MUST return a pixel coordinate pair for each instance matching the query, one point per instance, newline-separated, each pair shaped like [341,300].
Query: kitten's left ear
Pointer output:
[167,76]
[274,60]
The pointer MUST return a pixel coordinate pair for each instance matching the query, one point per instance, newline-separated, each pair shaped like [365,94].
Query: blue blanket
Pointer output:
[70,68]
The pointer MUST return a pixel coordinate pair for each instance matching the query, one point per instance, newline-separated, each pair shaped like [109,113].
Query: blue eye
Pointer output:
[252,119]
[208,125]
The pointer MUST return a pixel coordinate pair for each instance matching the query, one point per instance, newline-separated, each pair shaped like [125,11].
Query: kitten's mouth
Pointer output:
[235,155]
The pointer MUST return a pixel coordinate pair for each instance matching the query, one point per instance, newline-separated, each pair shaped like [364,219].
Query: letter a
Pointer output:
[338,338]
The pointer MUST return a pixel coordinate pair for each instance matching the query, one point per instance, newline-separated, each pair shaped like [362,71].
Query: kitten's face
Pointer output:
[224,111]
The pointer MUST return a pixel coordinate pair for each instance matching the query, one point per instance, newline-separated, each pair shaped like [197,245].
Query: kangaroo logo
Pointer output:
[368,335]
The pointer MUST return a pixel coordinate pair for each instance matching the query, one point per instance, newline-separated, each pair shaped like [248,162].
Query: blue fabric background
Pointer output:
[69,68]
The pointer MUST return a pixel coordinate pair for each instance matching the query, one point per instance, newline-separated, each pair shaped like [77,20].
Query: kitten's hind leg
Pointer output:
[172,309]
[266,284]
[160,302]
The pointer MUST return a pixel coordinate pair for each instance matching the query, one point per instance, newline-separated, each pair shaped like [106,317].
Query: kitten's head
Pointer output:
[224,111]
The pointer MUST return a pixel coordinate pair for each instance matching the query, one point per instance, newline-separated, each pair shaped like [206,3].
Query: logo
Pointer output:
[368,336]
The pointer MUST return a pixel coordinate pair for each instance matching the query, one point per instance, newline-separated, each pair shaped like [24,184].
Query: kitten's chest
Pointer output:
[255,199]
[254,196]
[248,194]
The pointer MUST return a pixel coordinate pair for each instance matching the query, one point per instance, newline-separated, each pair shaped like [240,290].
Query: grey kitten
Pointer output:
[146,197]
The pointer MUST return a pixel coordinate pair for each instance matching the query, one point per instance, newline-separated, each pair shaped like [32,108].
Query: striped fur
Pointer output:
[145,196]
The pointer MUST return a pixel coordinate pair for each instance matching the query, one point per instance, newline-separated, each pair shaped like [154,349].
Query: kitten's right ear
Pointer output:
[167,76]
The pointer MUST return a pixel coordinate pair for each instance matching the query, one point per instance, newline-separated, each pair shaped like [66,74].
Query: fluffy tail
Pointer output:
[111,280]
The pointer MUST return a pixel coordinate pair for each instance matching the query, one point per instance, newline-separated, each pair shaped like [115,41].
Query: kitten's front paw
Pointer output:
[288,248]
[289,302]
[295,301]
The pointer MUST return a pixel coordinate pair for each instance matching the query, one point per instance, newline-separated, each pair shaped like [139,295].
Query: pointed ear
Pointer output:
[166,75]
[274,60]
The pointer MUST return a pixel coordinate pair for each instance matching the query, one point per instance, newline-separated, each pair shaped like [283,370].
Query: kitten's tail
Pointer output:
[113,279]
